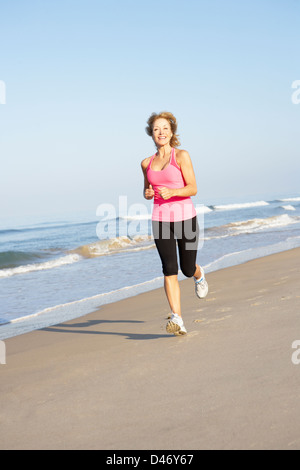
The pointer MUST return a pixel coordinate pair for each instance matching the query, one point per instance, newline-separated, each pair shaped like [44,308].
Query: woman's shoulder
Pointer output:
[181,156]
[145,162]
[182,153]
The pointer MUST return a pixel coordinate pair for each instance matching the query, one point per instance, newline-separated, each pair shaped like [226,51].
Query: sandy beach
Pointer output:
[114,379]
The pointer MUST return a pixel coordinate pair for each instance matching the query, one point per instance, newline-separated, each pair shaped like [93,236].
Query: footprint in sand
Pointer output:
[213,320]
[254,298]
[191,333]
[224,309]
[282,281]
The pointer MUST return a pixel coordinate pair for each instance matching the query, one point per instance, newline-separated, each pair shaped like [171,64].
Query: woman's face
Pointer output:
[161,133]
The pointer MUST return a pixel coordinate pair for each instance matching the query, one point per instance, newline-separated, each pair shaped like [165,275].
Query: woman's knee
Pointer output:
[188,271]
[170,269]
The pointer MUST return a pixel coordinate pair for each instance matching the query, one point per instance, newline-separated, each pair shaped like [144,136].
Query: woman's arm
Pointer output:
[148,191]
[184,161]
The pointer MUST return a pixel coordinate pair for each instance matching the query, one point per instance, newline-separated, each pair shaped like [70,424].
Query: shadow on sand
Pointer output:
[82,328]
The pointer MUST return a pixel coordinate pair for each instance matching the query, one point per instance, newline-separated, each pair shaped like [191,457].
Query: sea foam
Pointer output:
[68,259]
[250,226]
[245,205]
[114,245]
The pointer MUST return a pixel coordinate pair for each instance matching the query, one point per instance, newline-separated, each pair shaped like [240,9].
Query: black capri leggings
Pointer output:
[187,235]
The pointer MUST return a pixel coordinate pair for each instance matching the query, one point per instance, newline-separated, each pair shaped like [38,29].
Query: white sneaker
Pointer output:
[201,286]
[176,326]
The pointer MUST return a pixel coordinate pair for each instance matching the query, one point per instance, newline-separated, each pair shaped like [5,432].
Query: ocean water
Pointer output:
[60,268]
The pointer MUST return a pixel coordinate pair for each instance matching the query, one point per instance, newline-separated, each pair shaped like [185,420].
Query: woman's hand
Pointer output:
[149,193]
[166,193]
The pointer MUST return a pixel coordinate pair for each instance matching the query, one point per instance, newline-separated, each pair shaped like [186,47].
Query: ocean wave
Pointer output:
[245,205]
[290,199]
[55,263]
[11,258]
[45,227]
[114,245]
[260,224]
[249,226]
[288,207]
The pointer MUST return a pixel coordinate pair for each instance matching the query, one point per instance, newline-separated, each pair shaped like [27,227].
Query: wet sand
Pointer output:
[114,379]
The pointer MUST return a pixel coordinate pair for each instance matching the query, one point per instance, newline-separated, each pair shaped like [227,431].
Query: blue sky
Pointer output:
[82,78]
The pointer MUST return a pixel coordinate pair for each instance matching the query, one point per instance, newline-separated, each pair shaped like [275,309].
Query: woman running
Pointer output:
[169,178]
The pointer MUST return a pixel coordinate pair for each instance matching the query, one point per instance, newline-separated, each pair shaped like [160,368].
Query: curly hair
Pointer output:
[174,142]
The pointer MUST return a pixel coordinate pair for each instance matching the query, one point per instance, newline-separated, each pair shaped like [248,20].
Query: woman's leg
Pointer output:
[172,291]
[197,273]
[187,233]
[188,245]
[165,241]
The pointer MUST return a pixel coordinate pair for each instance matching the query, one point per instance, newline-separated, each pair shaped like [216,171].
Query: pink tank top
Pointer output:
[176,208]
